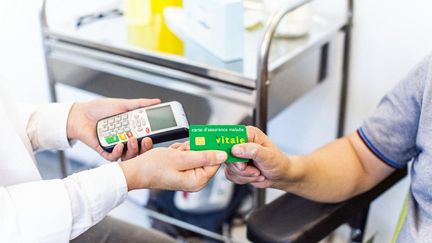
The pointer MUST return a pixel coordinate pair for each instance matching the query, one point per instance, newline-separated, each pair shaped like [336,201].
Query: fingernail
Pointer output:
[261,179]
[221,156]
[240,166]
[256,174]
[237,150]
[147,144]
[132,144]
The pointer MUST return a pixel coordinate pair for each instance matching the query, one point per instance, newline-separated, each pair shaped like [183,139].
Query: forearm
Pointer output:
[37,211]
[46,127]
[335,172]
[94,193]
[59,210]
[332,173]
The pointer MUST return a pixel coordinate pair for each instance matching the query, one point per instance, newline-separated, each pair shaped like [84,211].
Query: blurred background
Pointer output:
[389,38]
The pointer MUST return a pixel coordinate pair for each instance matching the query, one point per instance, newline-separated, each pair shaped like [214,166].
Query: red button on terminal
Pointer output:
[147,130]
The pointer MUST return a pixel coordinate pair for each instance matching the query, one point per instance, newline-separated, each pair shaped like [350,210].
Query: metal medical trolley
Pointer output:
[272,75]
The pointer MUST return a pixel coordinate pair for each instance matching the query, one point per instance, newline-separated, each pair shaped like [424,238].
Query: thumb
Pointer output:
[252,151]
[132,104]
[255,135]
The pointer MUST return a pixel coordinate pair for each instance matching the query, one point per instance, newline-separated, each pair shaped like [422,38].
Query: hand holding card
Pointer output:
[218,137]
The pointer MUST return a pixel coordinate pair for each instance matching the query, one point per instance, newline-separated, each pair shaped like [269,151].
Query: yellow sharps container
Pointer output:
[147,28]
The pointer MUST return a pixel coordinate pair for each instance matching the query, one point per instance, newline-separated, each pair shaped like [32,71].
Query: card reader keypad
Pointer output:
[139,122]
[122,127]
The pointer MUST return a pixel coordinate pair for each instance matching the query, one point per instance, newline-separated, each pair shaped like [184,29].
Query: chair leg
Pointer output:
[358,225]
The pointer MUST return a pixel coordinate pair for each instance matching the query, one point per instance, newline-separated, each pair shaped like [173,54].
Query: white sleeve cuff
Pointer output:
[47,127]
[94,193]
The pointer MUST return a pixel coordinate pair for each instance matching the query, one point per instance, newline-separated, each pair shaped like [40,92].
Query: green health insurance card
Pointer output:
[218,137]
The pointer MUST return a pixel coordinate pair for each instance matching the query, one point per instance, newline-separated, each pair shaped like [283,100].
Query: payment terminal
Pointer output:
[162,123]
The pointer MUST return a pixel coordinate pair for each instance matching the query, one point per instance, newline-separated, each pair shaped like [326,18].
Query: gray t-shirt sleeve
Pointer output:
[390,133]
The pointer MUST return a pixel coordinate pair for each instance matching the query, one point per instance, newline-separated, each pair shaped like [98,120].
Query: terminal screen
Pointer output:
[161,118]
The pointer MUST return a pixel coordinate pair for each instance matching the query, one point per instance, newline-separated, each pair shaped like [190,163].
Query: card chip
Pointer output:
[200,141]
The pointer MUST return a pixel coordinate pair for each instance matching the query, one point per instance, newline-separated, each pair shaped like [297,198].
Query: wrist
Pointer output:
[294,174]
[74,113]
[132,175]
[129,175]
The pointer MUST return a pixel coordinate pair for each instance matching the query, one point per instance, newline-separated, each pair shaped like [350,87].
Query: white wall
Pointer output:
[21,63]
[21,52]
[390,36]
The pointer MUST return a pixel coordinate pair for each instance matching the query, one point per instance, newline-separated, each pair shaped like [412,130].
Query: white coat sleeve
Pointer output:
[59,210]
[46,125]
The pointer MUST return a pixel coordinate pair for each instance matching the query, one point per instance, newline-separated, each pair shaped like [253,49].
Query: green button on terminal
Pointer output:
[112,139]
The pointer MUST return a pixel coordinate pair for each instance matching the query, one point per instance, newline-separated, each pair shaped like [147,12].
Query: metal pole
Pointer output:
[360,220]
[345,69]
[263,81]
[50,76]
